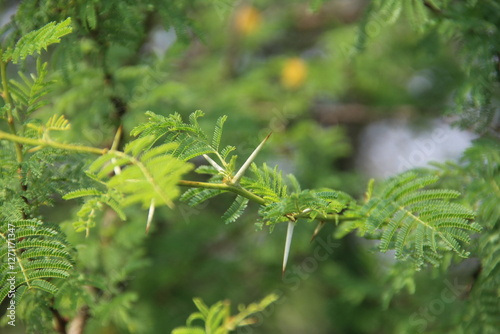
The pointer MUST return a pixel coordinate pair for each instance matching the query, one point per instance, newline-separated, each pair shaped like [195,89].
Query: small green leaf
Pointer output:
[216,315]
[201,306]
[193,317]
[235,210]
[82,193]
[37,40]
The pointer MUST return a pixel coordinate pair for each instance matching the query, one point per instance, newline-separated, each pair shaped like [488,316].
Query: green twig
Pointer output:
[54,144]
[225,187]
[335,217]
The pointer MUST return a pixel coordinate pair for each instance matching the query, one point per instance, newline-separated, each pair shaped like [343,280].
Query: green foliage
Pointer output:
[105,73]
[196,196]
[267,183]
[192,140]
[483,310]
[479,169]
[387,12]
[28,93]
[482,162]
[33,254]
[37,40]
[416,13]
[235,210]
[88,212]
[305,204]
[218,319]
[141,173]
[418,223]
[468,22]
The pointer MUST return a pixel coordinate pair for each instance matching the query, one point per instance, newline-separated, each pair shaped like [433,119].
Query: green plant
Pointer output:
[57,281]
[150,174]
[218,318]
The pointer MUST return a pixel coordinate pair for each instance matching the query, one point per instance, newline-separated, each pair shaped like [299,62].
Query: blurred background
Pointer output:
[345,102]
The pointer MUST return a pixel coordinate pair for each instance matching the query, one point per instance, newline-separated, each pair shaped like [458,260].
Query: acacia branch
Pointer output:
[59,321]
[236,188]
[257,199]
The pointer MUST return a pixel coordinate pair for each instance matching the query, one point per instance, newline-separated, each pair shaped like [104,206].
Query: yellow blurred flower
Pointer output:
[294,73]
[247,19]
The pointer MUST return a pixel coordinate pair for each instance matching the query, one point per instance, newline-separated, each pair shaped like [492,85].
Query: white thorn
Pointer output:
[116,168]
[114,146]
[247,163]
[317,229]
[213,163]
[288,242]
[150,214]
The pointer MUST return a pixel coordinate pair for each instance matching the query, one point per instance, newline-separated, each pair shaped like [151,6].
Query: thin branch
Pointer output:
[224,187]
[59,321]
[328,217]
[50,143]
[433,8]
